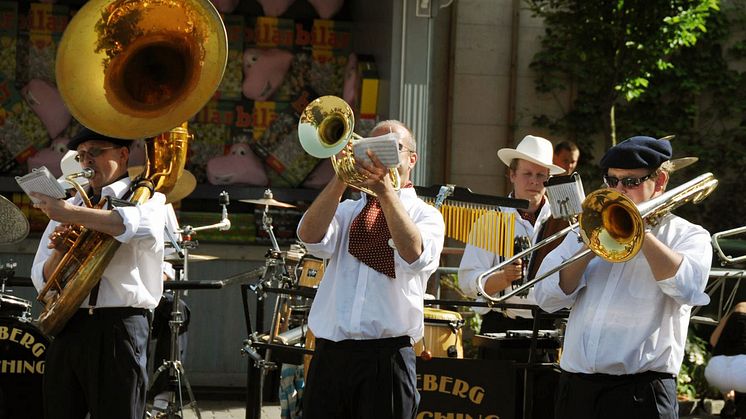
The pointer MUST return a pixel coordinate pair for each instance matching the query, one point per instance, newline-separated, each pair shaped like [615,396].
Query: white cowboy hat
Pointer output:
[534,149]
[69,165]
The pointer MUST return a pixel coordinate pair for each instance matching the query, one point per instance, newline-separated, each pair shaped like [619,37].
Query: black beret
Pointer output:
[88,134]
[636,153]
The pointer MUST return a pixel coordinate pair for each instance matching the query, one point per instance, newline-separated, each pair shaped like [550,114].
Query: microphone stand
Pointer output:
[173,365]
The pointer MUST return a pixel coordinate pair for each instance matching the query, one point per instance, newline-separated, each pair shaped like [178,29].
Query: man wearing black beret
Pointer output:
[625,336]
[97,363]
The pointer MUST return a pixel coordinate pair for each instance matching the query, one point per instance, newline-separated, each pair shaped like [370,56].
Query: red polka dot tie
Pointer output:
[369,239]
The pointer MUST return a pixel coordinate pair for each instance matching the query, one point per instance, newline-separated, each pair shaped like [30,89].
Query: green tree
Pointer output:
[699,95]
[608,51]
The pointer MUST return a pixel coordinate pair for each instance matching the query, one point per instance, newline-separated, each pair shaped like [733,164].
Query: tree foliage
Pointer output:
[665,67]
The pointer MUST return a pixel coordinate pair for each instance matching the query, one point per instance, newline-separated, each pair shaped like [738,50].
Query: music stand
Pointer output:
[173,365]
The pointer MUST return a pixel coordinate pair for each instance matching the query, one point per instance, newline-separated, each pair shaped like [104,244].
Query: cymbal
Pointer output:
[174,258]
[271,202]
[14,226]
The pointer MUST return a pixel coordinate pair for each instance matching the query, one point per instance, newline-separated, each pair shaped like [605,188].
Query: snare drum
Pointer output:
[14,307]
[311,272]
[442,334]
[23,353]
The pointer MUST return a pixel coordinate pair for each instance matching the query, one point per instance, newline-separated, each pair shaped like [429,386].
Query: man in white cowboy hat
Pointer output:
[530,165]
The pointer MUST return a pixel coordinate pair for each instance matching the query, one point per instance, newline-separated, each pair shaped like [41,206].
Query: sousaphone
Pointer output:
[132,69]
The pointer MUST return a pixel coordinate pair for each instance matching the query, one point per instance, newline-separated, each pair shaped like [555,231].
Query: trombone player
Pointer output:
[626,332]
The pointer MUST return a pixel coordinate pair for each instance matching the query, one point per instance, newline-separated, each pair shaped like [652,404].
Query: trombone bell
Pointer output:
[611,225]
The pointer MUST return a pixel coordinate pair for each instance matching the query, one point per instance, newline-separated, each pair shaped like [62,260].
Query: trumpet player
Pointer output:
[626,332]
[97,363]
[369,308]
[530,165]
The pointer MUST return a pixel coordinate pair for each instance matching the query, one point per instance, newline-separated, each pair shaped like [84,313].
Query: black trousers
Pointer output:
[97,364]
[648,395]
[362,379]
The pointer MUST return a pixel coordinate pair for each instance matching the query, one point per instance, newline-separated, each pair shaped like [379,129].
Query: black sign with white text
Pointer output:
[465,389]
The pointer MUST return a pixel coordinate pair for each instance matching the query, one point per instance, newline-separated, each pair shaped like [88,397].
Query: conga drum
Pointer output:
[442,335]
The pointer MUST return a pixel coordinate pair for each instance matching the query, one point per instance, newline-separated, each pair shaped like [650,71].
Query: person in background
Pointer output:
[369,309]
[628,322]
[726,370]
[97,363]
[566,155]
[530,165]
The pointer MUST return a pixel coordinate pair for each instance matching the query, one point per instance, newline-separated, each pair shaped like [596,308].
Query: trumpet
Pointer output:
[612,227]
[326,127]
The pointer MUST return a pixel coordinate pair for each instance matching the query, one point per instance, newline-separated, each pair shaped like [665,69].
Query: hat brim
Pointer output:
[508,154]
[185,185]
[682,162]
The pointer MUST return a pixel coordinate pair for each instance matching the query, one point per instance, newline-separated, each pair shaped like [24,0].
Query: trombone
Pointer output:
[325,128]
[612,227]
[727,259]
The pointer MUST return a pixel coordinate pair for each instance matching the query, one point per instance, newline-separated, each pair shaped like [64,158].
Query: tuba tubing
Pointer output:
[650,212]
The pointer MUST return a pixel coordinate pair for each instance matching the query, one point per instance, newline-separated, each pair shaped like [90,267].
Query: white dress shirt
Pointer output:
[622,320]
[476,261]
[133,278]
[355,301]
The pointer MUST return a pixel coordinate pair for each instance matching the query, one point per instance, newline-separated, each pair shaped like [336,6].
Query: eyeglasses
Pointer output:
[93,152]
[627,182]
[403,148]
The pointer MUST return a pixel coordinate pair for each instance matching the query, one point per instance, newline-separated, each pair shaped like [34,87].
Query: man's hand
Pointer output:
[57,239]
[56,209]
[377,176]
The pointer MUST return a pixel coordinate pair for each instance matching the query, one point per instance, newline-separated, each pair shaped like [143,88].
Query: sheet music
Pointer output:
[385,146]
[41,180]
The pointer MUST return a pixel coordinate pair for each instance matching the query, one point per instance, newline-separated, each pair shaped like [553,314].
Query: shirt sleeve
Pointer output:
[432,233]
[144,223]
[42,254]
[326,247]
[474,262]
[687,286]
[549,296]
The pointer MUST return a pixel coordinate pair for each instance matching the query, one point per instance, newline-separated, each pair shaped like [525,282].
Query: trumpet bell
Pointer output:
[133,69]
[326,126]
[611,225]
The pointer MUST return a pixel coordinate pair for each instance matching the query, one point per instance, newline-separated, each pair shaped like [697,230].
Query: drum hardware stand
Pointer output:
[275,270]
[7,272]
[173,365]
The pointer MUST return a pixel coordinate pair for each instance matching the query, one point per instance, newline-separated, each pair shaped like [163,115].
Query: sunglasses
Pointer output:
[93,152]
[627,182]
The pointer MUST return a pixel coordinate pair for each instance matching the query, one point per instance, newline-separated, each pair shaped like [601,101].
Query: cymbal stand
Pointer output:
[275,270]
[173,365]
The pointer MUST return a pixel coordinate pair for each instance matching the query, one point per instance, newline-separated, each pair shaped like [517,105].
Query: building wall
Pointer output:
[482,122]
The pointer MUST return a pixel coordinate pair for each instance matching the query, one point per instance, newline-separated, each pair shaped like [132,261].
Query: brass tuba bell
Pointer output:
[133,69]
[326,127]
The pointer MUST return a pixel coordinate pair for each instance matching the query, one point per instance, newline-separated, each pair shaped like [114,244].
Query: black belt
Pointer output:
[606,378]
[363,344]
[113,311]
